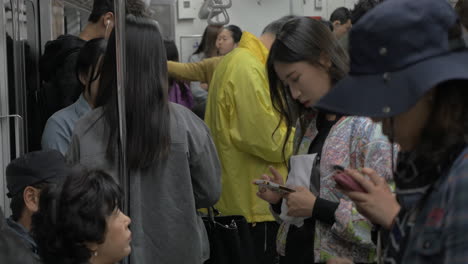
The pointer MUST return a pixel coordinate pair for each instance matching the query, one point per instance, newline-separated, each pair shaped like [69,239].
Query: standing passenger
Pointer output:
[228,39]
[246,133]
[341,20]
[59,128]
[417,86]
[173,166]
[206,49]
[304,63]
[62,86]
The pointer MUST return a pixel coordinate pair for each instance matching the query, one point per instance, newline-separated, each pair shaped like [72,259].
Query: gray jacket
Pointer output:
[166,227]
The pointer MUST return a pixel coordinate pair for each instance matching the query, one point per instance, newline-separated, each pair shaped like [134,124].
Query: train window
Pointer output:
[75,19]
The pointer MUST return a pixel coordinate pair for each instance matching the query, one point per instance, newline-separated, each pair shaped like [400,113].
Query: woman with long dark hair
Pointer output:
[79,221]
[207,47]
[318,221]
[419,93]
[59,128]
[172,161]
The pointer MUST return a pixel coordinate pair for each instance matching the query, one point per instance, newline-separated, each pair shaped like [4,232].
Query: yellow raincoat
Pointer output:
[242,122]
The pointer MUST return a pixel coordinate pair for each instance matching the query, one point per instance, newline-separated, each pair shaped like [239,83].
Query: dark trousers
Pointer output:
[264,239]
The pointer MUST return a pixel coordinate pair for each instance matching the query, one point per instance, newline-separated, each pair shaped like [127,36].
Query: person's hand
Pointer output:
[267,194]
[301,202]
[339,261]
[378,203]
[204,86]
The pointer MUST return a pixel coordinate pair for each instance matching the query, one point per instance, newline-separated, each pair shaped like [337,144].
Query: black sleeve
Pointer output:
[324,211]
[277,207]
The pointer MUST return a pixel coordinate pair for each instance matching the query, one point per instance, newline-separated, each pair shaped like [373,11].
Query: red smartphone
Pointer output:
[346,181]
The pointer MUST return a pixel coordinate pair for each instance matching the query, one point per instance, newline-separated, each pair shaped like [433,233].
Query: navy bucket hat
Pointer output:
[399,51]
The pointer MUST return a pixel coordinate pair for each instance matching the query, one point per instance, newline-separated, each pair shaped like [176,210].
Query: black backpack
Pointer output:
[60,85]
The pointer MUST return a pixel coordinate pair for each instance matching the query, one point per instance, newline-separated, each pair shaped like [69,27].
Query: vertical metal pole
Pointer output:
[119,7]
[19,75]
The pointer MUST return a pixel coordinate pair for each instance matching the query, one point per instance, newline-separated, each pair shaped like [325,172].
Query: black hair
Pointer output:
[361,8]
[462,10]
[447,126]
[17,204]
[448,123]
[146,94]
[208,43]
[302,39]
[173,55]
[341,14]
[88,58]
[100,8]
[72,213]
[275,26]
[236,32]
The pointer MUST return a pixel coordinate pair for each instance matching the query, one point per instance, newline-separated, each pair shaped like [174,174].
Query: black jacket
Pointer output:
[61,86]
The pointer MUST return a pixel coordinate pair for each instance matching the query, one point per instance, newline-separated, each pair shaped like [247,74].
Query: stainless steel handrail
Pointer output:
[19,131]
[119,7]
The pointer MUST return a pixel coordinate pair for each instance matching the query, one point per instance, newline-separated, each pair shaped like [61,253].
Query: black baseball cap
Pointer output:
[33,168]
[399,51]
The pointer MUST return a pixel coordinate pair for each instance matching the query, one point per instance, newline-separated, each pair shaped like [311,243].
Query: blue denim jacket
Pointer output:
[59,128]
[19,230]
[440,224]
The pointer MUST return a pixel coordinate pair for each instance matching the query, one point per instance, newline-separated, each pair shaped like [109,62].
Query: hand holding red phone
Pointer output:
[267,194]
[377,203]
[345,181]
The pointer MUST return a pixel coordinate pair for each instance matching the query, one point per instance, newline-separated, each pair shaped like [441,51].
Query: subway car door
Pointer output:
[19,82]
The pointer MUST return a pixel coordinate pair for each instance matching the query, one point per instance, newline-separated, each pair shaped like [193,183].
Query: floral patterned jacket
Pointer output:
[353,142]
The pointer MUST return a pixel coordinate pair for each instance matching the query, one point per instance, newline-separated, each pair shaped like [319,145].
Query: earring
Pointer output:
[95,253]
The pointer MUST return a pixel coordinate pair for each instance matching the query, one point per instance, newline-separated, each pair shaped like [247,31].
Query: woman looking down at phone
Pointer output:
[304,63]
[425,110]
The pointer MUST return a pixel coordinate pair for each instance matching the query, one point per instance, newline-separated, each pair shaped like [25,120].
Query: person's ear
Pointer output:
[83,79]
[108,20]
[336,23]
[31,198]
[325,61]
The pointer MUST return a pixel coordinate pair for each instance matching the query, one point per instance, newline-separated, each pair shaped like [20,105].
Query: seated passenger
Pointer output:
[179,92]
[416,86]
[59,128]
[26,177]
[13,250]
[318,221]
[79,221]
[172,161]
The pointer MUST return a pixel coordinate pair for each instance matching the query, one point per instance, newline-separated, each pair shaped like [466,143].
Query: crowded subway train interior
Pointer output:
[249,117]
